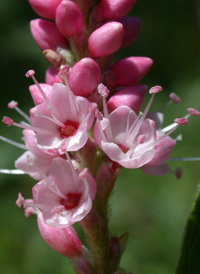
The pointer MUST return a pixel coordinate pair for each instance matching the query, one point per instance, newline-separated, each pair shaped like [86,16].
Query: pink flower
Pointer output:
[62,121]
[65,196]
[34,162]
[62,240]
[126,139]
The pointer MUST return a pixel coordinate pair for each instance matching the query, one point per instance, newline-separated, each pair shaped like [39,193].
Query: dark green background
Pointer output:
[152,209]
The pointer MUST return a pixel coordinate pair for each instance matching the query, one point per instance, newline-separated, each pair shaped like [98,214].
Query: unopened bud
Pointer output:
[46,9]
[106,40]
[53,58]
[131,27]
[69,18]
[113,9]
[128,71]
[46,34]
[63,240]
[36,94]
[51,76]
[132,97]
[84,77]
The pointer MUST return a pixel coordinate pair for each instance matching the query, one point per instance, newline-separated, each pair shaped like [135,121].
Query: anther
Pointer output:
[181,121]
[12,104]
[30,73]
[155,89]
[174,98]
[178,172]
[8,121]
[193,111]
[102,90]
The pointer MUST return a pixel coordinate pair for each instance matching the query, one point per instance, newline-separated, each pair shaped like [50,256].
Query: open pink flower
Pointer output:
[40,161]
[126,139]
[62,121]
[65,196]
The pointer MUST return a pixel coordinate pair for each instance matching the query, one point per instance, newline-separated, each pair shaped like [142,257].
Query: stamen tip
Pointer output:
[178,172]
[20,200]
[193,111]
[8,121]
[103,90]
[175,99]
[30,73]
[64,71]
[181,121]
[98,115]
[155,89]
[12,104]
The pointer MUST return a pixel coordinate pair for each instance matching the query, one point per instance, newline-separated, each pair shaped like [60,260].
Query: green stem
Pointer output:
[190,252]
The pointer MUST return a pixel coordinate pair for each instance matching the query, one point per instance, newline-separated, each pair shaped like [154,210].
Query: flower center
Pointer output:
[71,201]
[123,148]
[69,129]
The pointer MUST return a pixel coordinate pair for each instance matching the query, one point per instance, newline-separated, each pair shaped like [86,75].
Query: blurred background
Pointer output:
[152,209]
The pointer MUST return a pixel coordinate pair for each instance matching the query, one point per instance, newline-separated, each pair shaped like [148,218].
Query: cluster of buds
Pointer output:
[86,124]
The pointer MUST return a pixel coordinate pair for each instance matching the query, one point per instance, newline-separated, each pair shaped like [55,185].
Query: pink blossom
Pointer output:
[126,139]
[62,121]
[40,161]
[63,240]
[65,196]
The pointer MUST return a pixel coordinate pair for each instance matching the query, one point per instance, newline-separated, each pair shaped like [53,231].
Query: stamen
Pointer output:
[178,172]
[181,121]
[74,174]
[12,171]
[184,159]
[20,200]
[13,143]
[103,91]
[155,89]
[14,105]
[174,98]
[8,121]
[193,111]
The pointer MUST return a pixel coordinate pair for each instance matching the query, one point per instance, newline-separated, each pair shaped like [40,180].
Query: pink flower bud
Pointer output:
[51,76]
[131,96]
[163,149]
[46,34]
[132,27]
[69,18]
[45,8]
[84,77]
[106,40]
[36,94]
[113,9]
[128,71]
[63,240]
